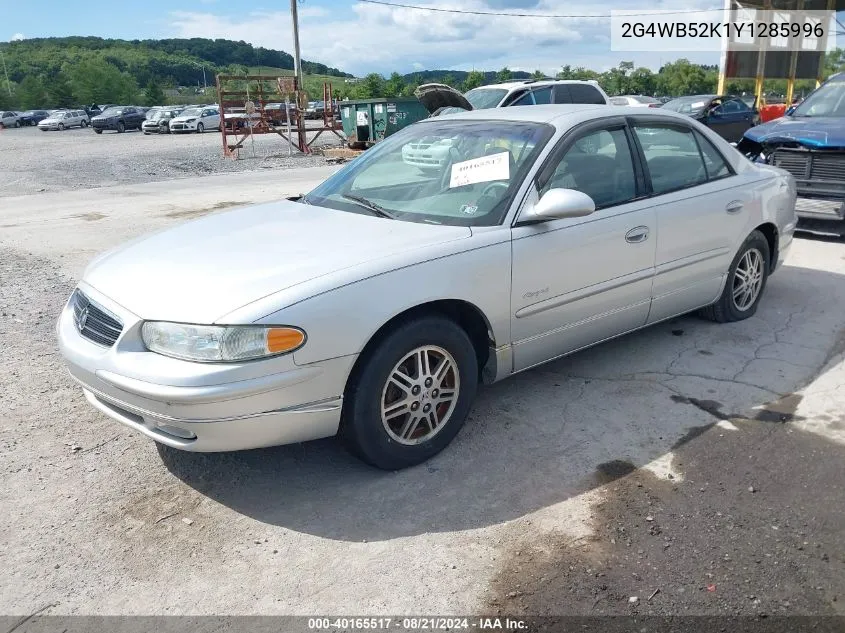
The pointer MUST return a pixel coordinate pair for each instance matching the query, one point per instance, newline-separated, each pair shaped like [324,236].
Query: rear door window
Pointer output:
[543,95]
[584,93]
[672,156]
[561,94]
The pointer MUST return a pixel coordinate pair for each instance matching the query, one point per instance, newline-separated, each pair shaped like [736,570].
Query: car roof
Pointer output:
[560,115]
[519,83]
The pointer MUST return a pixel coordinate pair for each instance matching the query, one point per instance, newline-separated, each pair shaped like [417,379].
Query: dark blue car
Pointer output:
[809,142]
[726,115]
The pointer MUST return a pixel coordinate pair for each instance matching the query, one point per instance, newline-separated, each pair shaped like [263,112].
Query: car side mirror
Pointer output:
[557,204]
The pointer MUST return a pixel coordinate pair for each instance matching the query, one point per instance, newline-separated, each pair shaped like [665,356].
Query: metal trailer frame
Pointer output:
[237,128]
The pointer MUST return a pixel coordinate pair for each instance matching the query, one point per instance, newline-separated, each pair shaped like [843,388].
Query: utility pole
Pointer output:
[297,62]
[6,72]
[204,84]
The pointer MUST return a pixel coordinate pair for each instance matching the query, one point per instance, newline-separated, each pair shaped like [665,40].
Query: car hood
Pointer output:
[202,270]
[184,119]
[827,132]
[50,119]
[436,96]
[105,117]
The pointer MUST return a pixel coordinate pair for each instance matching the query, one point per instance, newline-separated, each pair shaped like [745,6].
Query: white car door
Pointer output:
[210,119]
[578,281]
[700,205]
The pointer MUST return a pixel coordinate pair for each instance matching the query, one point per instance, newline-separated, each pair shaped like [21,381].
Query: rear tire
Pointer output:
[745,284]
[391,425]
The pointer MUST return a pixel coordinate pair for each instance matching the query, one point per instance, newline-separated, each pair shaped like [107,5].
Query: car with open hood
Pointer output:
[159,121]
[440,99]
[726,115]
[809,142]
[374,305]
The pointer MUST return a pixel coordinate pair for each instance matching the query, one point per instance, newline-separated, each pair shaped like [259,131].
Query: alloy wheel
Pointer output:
[747,279]
[420,395]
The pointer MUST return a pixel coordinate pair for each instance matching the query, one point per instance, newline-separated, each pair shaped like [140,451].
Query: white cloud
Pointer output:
[382,39]
[18,36]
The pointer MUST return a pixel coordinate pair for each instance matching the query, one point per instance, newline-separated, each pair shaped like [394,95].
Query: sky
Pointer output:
[362,38]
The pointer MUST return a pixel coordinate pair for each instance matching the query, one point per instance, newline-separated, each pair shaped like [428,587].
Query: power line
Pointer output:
[530,15]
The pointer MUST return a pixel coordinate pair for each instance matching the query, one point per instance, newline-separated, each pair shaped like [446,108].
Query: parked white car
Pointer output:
[64,119]
[196,120]
[635,101]
[9,119]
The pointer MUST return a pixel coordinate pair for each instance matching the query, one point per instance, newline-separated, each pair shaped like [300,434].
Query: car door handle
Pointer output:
[734,207]
[636,235]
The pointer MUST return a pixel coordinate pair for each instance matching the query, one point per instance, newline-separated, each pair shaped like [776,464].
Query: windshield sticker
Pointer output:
[469,209]
[698,104]
[484,169]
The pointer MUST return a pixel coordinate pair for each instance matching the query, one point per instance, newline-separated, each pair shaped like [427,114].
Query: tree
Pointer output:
[474,79]
[98,81]
[684,78]
[395,85]
[834,62]
[60,93]
[504,75]
[642,82]
[538,74]
[449,80]
[32,92]
[153,95]
[371,87]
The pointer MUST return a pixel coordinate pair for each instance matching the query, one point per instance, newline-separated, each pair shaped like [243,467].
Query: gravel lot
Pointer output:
[32,161]
[693,466]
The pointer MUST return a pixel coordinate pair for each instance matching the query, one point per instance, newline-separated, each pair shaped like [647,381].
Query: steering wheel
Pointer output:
[491,187]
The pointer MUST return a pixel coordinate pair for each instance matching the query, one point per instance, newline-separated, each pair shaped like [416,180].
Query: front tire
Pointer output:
[98,130]
[121,128]
[746,282]
[200,128]
[61,127]
[412,394]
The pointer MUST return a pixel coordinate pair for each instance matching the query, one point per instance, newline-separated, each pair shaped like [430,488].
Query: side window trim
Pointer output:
[577,133]
[671,123]
[699,138]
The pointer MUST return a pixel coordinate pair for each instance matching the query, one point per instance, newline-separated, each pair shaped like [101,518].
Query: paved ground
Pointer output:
[697,467]
[32,161]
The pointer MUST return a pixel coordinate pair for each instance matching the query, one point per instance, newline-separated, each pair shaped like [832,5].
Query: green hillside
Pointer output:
[69,71]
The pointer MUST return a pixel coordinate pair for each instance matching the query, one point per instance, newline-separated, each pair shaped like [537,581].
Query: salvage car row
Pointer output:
[158,119]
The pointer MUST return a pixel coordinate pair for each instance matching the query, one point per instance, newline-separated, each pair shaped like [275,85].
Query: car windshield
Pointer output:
[191,112]
[483,98]
[685,105]
[829,100]
[443,172]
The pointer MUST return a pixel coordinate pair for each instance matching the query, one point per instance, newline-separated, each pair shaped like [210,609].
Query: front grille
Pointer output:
[93,321]
[811,165]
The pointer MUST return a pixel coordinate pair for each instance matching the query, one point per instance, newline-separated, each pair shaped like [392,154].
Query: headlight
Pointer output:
[218,343]
[189,120]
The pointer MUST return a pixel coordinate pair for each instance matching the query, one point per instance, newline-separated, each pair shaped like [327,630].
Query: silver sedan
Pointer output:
[373,306]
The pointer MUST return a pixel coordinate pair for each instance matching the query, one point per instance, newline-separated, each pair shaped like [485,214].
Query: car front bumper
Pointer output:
[177,128]
[203,407]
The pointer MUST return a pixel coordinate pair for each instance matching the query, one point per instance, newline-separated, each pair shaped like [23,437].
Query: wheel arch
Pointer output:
[466,314]
[770,232]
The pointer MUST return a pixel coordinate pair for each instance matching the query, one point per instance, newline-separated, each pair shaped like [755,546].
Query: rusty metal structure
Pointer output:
[251,105]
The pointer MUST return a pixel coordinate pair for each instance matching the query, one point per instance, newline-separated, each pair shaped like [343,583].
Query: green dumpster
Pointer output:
[368,121]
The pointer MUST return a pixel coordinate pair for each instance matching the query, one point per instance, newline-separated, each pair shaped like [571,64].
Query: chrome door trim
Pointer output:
[583,293]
